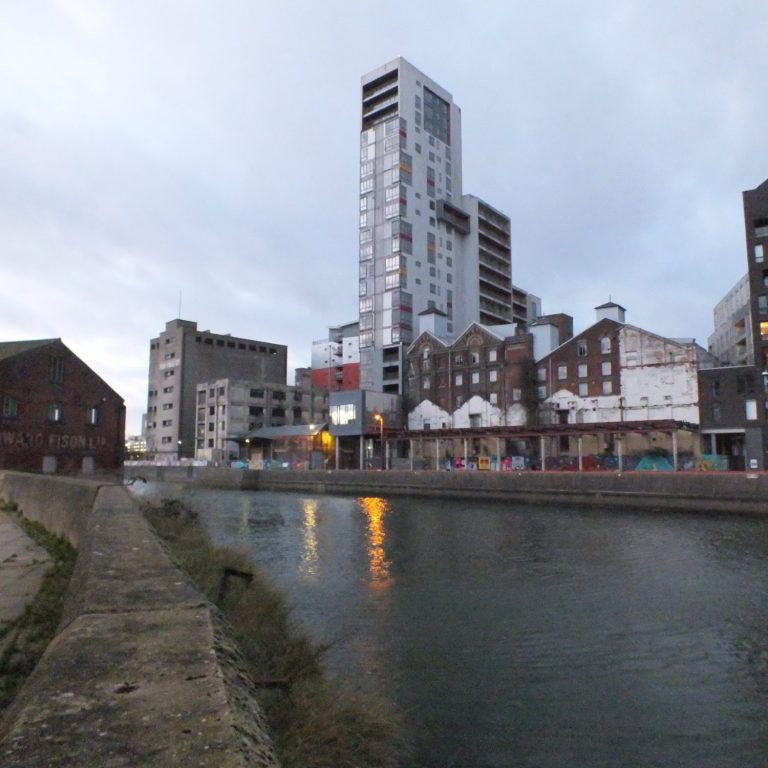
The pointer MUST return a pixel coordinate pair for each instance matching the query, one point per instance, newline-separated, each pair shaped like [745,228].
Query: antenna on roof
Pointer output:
[179,315]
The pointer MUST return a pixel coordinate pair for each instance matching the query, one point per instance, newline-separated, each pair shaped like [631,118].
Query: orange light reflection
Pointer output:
[309,556]
[378,565]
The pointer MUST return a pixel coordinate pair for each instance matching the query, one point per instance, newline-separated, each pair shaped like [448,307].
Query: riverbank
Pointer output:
[736,492]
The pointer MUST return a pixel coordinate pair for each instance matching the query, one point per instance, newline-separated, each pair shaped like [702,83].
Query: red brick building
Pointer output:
[56,414]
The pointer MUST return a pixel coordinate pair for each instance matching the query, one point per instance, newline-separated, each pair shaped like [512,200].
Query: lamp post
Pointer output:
[378,417]
[248,449]
[178,451]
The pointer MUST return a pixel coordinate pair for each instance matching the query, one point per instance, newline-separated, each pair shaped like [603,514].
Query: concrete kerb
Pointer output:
[142,670]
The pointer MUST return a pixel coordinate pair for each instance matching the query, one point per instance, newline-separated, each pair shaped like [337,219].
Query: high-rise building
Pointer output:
[179,359]
[423,243]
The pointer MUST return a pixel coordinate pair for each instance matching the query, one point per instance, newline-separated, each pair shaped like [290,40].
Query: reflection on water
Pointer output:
[375,509]
[309,556]
[521,637]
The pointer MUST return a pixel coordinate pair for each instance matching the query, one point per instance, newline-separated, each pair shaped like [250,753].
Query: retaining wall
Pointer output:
[142,670]
[733,492]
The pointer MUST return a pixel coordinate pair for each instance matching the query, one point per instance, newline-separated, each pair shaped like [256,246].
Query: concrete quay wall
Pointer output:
[142,670]
[734,492]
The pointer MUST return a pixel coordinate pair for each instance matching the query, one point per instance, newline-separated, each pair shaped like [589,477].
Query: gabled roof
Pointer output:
[609,304]
[13,348]
[427,334]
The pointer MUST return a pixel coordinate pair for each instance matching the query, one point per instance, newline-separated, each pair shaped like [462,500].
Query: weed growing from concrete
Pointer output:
[25,640]
[314,722]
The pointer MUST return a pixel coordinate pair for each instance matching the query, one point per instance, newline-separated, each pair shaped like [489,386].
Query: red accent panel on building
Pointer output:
[341,378]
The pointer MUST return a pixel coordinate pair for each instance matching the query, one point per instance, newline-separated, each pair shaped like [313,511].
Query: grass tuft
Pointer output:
[315,723]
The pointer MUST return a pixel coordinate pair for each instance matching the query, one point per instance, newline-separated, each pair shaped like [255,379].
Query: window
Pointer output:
[92,415]
[583,371]
[426,382]
[494,398]
[759,253]
[583,389]
[10,407]
[165,440]
[606,369]
[715,387]
[607,387]
[474,357]
[750,409]
[459,380]
[56,370]
[391,280]
[491,352]
[167,423]
[542,392]
[541,374]
[761,227]
[605,345]
[581,348]
[493,376]
[764,331]
[167,390]
[517,394]
[257,393]
[562,372]
[167,406]
[475,377]
[762,304]
[54,412]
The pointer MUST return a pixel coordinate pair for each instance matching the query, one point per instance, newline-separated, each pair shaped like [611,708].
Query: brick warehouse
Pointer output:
[57,414]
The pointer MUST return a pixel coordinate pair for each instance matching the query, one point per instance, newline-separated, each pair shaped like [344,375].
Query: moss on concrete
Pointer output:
[24,640]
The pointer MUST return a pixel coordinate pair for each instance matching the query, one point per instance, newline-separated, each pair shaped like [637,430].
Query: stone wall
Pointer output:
[142,670]
[733,492]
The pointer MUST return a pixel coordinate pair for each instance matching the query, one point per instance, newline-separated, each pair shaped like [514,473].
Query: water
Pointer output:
[516,636]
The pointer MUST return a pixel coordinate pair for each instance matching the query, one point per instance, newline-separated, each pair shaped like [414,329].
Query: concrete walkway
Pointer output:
[22,567]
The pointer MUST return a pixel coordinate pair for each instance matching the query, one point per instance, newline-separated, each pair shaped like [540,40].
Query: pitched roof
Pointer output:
[13,348]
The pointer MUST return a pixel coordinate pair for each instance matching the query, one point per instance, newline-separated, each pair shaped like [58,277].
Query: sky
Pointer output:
[200,159]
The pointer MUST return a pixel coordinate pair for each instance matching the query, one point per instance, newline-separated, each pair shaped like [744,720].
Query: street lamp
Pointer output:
[178,451]
[378,417]
[248,449]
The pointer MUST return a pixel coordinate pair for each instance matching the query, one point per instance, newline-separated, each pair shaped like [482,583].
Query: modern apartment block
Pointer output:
[336,359]
[731,342]
[179,359]
[756,227]
[423,243]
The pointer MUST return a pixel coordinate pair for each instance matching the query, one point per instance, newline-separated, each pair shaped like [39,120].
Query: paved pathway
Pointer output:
[22,567]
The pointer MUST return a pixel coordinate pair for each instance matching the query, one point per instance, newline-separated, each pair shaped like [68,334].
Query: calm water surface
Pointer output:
[516,636]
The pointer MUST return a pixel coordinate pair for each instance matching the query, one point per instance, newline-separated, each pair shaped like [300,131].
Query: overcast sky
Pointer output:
[208,150]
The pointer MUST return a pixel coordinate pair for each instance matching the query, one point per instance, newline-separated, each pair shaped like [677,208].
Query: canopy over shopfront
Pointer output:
[299,446]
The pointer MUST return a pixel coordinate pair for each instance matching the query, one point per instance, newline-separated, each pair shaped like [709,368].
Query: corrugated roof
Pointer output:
[13,348]
[295,430]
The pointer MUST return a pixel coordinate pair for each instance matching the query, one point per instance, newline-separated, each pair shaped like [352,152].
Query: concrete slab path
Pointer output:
[22,567]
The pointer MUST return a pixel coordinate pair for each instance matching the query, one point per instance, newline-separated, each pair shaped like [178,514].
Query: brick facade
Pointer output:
[57,415]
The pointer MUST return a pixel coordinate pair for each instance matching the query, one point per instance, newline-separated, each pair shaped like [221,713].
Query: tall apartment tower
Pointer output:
[756,227]
[179,359]
[423,244]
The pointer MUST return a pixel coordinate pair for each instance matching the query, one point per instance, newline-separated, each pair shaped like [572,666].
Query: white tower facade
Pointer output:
[423,244]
